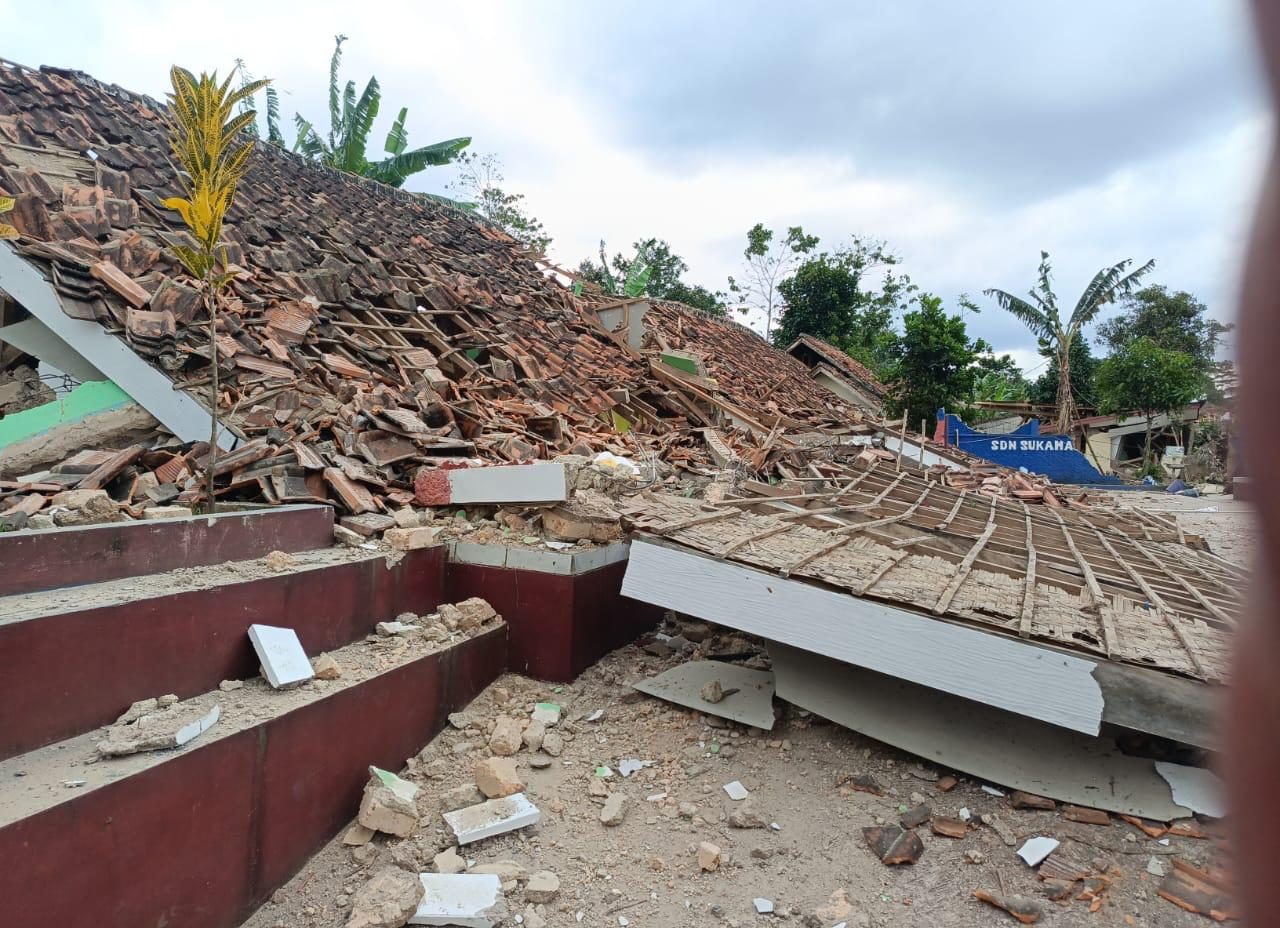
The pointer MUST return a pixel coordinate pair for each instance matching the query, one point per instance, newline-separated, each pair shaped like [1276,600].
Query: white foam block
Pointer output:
[493,817]
[202,724]
[283,660]
[472,900]
[1037,849]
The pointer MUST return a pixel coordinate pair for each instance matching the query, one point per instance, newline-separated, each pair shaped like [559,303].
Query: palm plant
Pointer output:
[1041,316]
[350,121]
[208,140]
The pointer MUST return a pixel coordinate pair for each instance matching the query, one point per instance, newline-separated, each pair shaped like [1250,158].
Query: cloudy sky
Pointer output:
[968,135]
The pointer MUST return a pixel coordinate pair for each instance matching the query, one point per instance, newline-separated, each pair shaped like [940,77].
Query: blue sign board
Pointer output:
[1054,456]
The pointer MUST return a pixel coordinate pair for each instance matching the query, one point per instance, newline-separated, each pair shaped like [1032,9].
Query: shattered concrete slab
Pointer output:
[492,817]
[157,730]
[469,900]
[746,694]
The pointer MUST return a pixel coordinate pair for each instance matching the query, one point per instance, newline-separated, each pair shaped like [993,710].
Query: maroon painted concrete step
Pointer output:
[565,613]
[71,660]
[47,559]
[201,836]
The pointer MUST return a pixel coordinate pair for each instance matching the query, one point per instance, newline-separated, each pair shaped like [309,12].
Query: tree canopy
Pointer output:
[934,363]
[848,298]
[655,271]
[479,183]
[1148,379]
[351,120]
[768,263]
[1175,321]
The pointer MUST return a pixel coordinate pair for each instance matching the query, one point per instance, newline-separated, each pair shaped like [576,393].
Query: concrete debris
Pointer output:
[1025,910]
[708,856]
[279,560]
[459,797]
[284,663]
[357,835]
[508,871]
[152,513]
[411,539]
[449,861]
[893,845]
[836,908]
[614,810]
[999,826]
[543,886]
[916,816]
[396,628]
[534,734]
[496,777]
[507,737]
[548,713]
[1037,849]
[326,668]
[711,691]
[553,743]
[163,728]
[470,900]
[388,900]
[745,816]
[388,804]
[491,817]
[228,686]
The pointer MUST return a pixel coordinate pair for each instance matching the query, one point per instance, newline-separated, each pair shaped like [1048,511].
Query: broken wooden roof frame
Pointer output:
[1151,612]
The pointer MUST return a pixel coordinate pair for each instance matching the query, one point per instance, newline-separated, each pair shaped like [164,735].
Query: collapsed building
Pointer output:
[376,349]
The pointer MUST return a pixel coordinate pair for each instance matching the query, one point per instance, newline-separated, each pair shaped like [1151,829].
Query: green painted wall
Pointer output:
[84,400]
[688,365]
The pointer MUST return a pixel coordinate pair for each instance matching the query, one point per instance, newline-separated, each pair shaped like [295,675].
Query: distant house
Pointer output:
[839,373]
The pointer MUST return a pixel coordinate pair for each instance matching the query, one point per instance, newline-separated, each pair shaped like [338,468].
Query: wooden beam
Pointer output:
[1110,640]
[1162,609]
[1029,583]
[962,569]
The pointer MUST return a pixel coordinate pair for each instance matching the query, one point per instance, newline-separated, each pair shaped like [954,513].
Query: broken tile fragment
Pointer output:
[893,845]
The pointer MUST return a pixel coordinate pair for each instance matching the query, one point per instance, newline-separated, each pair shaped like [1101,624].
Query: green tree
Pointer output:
[1175,321]
[1041,316]
[1149,379]
[350,122]
[934,364]
[768,263]
[479,183]
[654,271]
[847,298]
[996,380]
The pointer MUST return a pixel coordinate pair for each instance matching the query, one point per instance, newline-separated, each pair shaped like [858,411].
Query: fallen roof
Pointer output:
[370,332]
[1128,592]
[858,374]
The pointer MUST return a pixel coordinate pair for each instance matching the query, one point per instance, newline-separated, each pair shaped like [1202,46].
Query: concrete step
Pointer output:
[199,836]
[73,659]
[62,557]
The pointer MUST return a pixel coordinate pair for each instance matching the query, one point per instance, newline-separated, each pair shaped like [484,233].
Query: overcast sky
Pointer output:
[968,135]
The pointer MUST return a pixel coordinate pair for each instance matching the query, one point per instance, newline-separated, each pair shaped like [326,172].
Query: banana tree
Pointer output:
[1041,316]
[351,120]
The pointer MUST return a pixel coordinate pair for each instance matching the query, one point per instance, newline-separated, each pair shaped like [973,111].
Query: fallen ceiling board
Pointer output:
[503,483]
[470,900]
[284,663]
[1196,788]
[682,685]
[1182,710]
[152,390]
[1003,672]
[984,742]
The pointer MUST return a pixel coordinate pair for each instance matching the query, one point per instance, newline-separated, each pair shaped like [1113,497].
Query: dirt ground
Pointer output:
[809,859]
